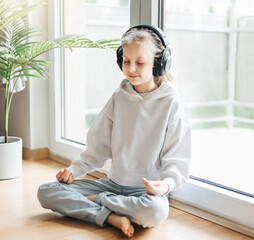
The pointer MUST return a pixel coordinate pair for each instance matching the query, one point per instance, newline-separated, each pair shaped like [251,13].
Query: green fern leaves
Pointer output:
[17,52]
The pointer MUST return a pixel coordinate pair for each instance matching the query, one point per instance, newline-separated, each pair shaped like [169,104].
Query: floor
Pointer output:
[22,217]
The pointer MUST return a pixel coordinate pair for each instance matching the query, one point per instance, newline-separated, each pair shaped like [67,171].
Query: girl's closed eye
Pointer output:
[138,63]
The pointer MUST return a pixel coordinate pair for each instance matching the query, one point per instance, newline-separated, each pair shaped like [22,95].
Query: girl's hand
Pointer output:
[65,176]
[156,188]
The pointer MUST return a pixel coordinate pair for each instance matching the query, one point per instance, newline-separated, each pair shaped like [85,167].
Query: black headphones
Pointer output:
[161,64]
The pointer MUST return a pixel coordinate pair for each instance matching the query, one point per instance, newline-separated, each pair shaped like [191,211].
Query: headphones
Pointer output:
[161,64]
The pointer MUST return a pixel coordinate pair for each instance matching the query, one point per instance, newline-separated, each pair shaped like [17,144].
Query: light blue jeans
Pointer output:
[132,202]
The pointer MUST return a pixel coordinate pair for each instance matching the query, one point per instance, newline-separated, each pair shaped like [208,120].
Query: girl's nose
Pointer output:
[132,67]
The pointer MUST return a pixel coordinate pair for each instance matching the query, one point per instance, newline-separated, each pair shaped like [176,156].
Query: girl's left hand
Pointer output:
[156,188]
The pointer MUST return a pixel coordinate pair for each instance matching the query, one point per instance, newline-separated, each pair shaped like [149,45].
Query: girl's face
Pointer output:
[137,66]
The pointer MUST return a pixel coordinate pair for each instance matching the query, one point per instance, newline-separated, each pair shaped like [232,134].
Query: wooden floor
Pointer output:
[22,217]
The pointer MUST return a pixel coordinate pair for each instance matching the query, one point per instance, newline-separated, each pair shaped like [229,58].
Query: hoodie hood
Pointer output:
[164,90]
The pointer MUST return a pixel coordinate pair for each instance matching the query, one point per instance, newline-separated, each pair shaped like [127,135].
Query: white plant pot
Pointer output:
[10,158]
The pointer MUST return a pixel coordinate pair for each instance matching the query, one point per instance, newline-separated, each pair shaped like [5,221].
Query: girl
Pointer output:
[144,131]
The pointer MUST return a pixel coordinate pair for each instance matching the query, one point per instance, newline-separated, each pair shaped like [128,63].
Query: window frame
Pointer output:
[58,146]
[212,199]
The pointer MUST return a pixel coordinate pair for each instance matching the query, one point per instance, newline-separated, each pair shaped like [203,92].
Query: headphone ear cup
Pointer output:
[119,55]
[162,64]
[166,60]
[156,67]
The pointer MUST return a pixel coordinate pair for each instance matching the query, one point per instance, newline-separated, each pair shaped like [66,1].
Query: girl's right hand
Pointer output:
[65,176]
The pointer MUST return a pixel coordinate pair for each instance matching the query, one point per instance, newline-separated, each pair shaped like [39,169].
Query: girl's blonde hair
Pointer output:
[138,35]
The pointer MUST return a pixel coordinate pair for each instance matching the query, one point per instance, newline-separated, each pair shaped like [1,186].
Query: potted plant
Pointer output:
[18,60]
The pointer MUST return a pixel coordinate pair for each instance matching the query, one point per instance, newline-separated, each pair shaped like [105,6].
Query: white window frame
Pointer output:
[58,146]
[222,206]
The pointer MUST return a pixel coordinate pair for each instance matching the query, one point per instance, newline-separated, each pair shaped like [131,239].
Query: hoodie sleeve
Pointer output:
[98,145]
[176,152]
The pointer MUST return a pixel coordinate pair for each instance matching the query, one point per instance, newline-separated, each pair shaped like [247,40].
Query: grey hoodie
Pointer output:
[145,136]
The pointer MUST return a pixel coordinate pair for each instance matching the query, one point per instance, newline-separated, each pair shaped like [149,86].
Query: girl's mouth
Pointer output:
[133,76]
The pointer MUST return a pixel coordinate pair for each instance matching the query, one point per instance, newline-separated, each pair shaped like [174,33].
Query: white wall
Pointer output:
[19,121]
[29,114]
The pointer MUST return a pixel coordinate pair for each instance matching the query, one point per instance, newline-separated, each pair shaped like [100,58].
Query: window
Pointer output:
[87,80]
[205,45]
[83,78]
[213,65]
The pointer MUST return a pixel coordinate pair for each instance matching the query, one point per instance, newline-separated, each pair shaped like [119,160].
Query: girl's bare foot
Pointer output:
[91,197]
[122,223]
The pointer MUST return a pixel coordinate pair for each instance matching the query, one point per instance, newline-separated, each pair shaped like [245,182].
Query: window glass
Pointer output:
[245,56]
[208,13]
[244,12]
[213,67]
[244,67]
[90,76]
[205,66]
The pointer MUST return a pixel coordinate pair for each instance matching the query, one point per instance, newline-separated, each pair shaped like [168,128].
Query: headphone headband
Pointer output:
[156,30]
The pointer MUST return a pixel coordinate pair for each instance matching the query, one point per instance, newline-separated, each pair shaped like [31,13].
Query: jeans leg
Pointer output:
[143,209]
[70,200]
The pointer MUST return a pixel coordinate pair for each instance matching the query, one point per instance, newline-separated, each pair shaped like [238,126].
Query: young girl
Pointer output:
[144,131]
